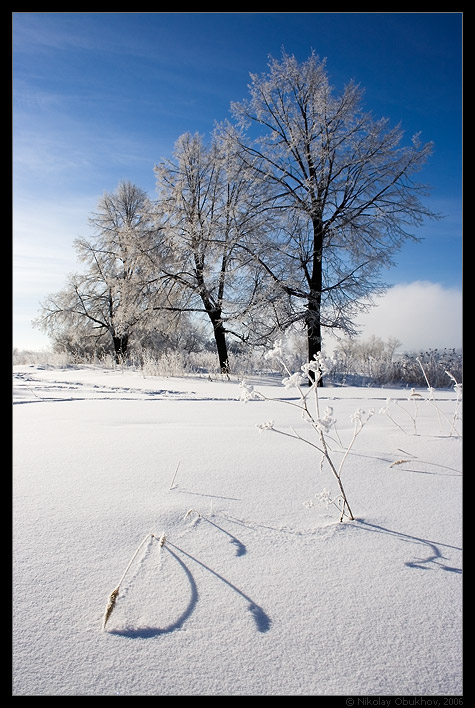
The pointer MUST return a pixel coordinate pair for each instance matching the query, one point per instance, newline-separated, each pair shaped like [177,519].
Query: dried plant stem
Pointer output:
[395,422]
[112,599]
[431,399]
[323,448]
[346,509]
[172,486]
[337,474]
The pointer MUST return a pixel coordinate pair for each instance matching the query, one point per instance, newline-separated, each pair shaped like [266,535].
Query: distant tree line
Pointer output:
[377,362]
[284,218]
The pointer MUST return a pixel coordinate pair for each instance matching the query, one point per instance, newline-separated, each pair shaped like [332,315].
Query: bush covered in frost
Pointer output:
[376,362]
[371,362]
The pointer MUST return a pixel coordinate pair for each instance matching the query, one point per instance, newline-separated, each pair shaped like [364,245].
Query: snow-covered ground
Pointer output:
[255,591]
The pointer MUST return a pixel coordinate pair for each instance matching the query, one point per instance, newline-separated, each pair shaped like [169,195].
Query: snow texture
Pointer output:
[258,588]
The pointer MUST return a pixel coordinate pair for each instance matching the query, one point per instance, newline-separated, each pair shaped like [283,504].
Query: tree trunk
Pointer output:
[120,347]
[220,339]
[313,315]
[314,331]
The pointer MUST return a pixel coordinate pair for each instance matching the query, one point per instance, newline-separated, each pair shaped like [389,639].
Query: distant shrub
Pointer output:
[375,362]
[436,363]
[44,358]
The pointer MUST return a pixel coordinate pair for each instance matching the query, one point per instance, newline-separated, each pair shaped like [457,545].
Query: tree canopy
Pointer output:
[342,180]
[288,214]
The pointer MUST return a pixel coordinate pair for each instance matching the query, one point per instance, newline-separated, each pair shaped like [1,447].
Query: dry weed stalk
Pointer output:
[322,424]
[110,606]
[112,599]
[172,485]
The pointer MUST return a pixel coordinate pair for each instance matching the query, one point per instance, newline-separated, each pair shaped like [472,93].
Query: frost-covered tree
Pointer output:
[207,209]
[342,182]
[106,301]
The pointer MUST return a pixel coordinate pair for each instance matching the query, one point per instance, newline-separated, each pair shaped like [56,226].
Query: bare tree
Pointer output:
[205,207]
[342,182]
[112,295]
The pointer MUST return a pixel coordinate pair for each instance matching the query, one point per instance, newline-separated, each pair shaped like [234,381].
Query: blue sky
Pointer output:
[102,97]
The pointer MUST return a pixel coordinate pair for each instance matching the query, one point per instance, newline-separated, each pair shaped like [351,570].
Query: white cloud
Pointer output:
[421,315]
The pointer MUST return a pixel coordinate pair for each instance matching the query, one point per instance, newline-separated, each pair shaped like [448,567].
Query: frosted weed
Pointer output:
[416,400]
[321,423]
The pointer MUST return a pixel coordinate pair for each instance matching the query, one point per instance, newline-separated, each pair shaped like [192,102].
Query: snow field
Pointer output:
[254,592]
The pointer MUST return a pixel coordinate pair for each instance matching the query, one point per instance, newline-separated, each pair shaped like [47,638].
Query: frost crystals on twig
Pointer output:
[322,424]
